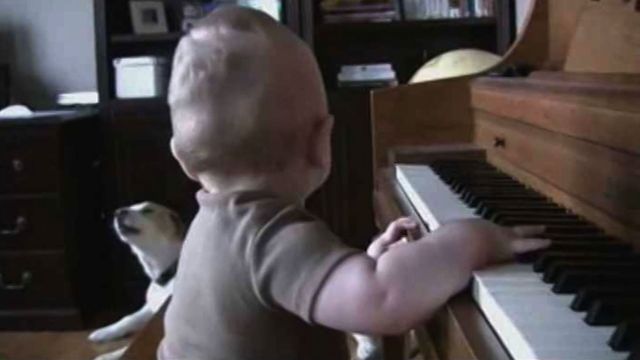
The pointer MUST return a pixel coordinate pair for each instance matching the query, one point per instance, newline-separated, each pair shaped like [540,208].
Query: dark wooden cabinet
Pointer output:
[139,167]
[4,85]
[144,168]
[344,201]
[52,268]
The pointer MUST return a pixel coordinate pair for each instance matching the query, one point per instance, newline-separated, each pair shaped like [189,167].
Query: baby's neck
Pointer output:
[282,184]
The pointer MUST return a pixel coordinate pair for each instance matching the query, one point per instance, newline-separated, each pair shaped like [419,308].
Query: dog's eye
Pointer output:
[146,211]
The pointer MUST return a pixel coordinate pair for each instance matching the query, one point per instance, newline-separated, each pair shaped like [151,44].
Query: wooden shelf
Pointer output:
[140,107]
[155,38]
[406,25]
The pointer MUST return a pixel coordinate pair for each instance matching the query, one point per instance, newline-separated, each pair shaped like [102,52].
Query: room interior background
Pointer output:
[50,47]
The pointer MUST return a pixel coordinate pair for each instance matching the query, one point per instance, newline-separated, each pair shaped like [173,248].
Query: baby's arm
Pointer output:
[406,284]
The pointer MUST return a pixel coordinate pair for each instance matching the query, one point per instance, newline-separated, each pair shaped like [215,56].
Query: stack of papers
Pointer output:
[78,98]
[367,75]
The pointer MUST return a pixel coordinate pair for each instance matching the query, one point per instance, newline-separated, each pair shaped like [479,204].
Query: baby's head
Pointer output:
[247,104]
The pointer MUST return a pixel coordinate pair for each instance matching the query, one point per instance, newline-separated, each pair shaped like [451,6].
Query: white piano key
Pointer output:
[532,322]
[421,183]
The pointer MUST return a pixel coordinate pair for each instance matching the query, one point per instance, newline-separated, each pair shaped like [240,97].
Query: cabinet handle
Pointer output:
[499,142]
[18,165]
[24,282]
[19,228]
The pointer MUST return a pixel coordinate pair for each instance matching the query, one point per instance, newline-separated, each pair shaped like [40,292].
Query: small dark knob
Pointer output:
[19,227]
[24,282]
[18,165]
[499,142]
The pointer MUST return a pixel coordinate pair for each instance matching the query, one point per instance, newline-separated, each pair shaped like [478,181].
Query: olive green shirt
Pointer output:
[250,271]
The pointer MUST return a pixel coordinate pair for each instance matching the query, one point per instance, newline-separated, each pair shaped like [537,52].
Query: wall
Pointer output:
[50,47]
[522,8]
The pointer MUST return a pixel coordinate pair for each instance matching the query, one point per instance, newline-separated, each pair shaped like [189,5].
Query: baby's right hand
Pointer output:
[499,244]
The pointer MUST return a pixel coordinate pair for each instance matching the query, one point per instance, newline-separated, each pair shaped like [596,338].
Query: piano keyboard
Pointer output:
[578,299]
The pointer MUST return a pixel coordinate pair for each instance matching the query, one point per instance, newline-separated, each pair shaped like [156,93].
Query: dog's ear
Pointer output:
[177,224]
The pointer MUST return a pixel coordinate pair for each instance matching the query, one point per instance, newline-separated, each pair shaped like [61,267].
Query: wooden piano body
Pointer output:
[571,131]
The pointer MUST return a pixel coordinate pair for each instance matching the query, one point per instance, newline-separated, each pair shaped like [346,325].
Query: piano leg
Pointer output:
[394,348]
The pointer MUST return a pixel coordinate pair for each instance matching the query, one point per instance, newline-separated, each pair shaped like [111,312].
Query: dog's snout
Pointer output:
[121,213]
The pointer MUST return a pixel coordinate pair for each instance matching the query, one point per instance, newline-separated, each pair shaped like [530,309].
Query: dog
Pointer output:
[155,235]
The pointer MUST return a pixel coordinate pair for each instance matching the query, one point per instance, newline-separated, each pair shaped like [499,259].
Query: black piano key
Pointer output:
[589,246]
[457,185]
[548,257]
[611,311]
[477,200]
[553,272]
[568,237]
[532,204]
[626,336]
[573,280]
[566,220]
[483,190]
[577,230]
[588,295]
[568,245]
[488,208]
[523,213]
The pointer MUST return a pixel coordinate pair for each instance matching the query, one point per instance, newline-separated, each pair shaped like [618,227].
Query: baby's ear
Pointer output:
[175,153]
[319,151]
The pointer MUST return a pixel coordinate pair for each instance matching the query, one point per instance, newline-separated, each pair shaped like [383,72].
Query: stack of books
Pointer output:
[340,11]
[443,9]
[367,75]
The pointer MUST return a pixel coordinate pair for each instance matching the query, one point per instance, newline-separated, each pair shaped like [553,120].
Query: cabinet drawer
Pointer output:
[34,281]
[29,160]
[31,224]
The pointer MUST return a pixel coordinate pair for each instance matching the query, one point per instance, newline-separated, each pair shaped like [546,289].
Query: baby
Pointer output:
[260,278]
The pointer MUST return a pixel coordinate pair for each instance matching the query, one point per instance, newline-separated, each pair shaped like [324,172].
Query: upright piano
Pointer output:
[559,147]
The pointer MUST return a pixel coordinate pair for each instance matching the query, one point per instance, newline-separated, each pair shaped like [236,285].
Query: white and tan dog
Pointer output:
[155,235]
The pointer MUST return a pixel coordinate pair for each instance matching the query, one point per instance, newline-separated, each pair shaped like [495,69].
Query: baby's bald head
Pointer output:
[244,95]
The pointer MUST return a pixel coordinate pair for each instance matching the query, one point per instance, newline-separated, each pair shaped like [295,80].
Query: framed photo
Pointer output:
[148,17]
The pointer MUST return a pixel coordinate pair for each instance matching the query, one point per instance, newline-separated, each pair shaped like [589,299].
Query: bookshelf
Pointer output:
[403,25]
[406,44]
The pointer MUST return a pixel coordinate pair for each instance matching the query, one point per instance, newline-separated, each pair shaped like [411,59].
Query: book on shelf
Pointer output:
[378,16]
[446,9]
[338,11]
[355,6]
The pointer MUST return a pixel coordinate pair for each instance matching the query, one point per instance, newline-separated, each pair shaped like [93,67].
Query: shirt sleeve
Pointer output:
[291,257]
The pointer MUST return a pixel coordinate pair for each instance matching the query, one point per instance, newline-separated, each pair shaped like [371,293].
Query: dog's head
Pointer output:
[148,226]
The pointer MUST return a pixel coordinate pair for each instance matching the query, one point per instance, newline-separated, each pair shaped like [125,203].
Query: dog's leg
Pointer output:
[369,347]
[114,355]
[126,325]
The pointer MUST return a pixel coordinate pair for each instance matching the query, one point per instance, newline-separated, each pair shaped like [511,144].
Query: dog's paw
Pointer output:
[369,348]
[104,335]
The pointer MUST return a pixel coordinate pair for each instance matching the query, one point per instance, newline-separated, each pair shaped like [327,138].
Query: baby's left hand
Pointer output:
[395,232]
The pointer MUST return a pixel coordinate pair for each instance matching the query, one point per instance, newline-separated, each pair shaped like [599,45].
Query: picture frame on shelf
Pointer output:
[148,17]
